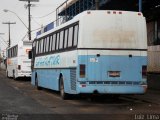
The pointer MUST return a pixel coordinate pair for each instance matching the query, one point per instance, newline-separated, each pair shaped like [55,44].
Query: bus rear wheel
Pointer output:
[7,74]
[14,76]
[36,84]
[64,95]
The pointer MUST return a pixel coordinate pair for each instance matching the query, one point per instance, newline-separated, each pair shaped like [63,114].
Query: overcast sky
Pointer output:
[18,30]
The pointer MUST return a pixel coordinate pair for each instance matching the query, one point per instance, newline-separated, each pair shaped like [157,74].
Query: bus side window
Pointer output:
[47,44]
[36,47]
[16,51]
[61,40]
[65,38]
[39,47]
[75,35]
[54,42]
[42,40]
[70,37]
[57,41]
[50,43]
[44,45]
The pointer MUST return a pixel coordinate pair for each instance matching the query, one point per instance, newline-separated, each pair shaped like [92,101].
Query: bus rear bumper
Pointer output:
[24,75]
[112,89]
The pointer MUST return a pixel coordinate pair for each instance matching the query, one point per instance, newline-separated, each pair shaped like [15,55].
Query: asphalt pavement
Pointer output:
[20,100]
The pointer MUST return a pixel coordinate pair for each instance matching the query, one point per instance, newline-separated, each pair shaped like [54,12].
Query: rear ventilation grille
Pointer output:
[73,78]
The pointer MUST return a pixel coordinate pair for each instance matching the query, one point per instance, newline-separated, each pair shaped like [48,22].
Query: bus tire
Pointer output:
[64,95]
[7,74]
[14,77]
[36,84]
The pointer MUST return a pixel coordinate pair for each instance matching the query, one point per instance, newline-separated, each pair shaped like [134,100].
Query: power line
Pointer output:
[4,40]
[35,21]
[46,14]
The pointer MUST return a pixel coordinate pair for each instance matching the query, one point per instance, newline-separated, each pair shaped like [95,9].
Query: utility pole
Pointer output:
[29,16]
[9,33]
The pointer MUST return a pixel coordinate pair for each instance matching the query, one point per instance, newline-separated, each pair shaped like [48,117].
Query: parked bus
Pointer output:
[18,64]
[101,52]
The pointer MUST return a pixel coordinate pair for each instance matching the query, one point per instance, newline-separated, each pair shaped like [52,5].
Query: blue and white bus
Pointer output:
[101,52]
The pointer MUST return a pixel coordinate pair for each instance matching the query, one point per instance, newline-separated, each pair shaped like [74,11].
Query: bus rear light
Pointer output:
[19,67]
[83,85]
[120,12]
[139,14]
[82,70]
[114,12]
[144,71]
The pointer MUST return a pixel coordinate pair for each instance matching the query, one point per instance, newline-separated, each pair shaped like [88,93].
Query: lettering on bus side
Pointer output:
[47,61]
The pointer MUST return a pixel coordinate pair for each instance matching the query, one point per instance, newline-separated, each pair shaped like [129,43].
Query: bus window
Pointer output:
[66,38]
[47,44]
[57,41]
[50,43]
[70,37]
[75,35]
[36,47]
[61,39]
[54,42]
[44,45]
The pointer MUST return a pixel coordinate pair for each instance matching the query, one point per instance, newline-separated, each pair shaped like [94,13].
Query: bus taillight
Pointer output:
[82,70]
[144,71]
[19,67]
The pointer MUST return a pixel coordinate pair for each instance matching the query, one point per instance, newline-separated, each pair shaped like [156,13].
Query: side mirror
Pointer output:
[30,55]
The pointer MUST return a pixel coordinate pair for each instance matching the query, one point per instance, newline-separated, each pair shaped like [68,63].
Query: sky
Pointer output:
[18,30]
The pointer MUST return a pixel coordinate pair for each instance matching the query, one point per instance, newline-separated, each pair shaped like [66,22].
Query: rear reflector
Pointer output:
[120,12]
[82,70]
[144,71]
